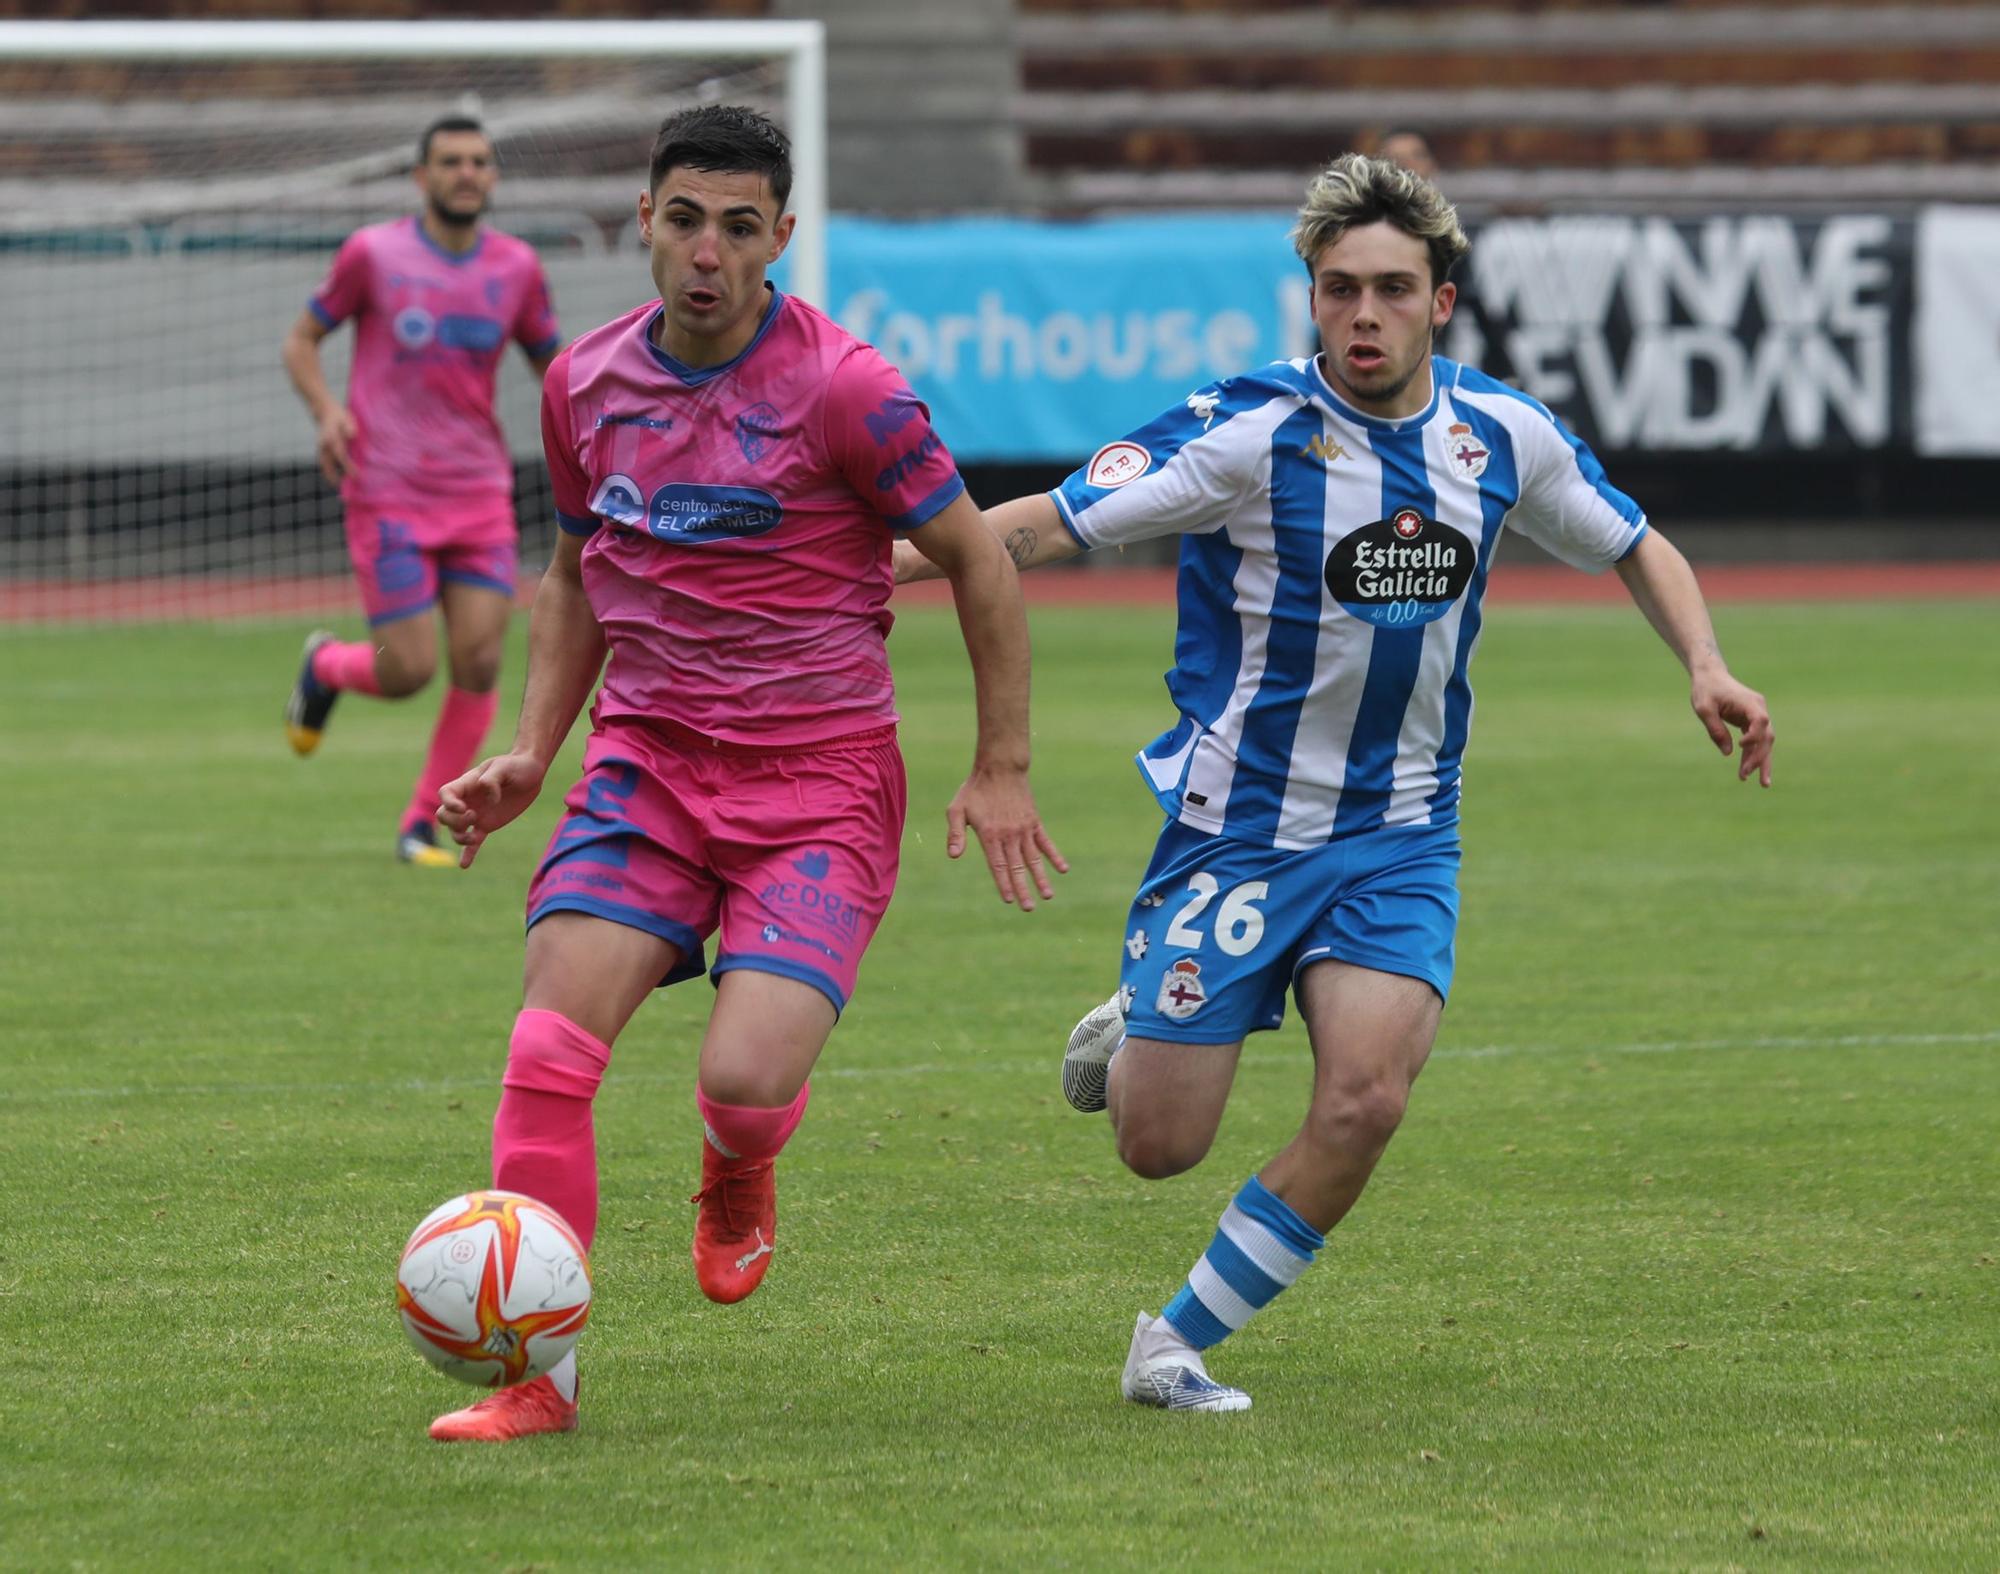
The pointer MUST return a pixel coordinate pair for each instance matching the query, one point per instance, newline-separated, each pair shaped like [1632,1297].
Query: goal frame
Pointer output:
[799,45]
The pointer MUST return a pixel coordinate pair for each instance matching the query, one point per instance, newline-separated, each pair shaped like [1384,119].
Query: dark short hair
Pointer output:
[456,121]
[725,139]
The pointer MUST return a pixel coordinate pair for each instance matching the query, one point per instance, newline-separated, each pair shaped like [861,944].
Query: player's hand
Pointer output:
[1722,703]
[335,433]
[1000,810]
[487,797]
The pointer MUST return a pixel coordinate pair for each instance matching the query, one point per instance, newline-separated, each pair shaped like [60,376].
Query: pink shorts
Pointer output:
[792,855]
[400,556]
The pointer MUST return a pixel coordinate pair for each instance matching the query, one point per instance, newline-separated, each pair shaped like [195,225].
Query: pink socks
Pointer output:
[462,725]
[346,665]
[543,1143]
[742,1131]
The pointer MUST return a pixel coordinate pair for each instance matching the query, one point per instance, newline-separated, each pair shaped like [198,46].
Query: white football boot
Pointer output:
[1086,1067]
[1167,1374]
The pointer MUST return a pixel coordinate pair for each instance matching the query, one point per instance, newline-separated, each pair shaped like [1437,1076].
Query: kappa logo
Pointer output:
[1324,450]
[1467,454]
[1203,404]
[1116,465]
[1153,899]
[1181,992]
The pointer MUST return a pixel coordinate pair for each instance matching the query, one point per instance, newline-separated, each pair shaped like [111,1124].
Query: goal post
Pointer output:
[173,192]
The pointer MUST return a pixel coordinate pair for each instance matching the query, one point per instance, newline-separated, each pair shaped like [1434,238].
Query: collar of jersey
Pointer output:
[457,259]
[1376,423]
[694,376]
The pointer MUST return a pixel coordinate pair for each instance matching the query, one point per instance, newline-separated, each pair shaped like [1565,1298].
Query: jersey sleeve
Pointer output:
[879,436]
[1570,508]
[567,478]
[345,287]
[535,327]
[1181,473]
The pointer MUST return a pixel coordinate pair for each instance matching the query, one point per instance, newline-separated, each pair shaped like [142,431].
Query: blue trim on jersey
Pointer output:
[1478,382]
[695,376]
[1271,722]
[326,318]
[1323,385]
[783,967]
[1499,491]
[1644,531]
[457,259]
[931,506]
[1394,656]
[1264,1206]
[577,525]
[1192,1321]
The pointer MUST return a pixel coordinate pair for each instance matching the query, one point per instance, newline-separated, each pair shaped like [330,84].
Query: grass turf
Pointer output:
[1686,1256]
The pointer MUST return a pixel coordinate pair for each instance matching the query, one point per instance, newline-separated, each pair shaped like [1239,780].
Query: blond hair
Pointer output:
[1355,190]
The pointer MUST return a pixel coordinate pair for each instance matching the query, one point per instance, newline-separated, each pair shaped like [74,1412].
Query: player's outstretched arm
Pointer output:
[334,426]
[995,801]
[1664,586]
[1028,527]
[565,654]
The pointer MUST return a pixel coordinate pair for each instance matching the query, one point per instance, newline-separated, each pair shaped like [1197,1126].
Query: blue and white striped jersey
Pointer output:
[1331,571]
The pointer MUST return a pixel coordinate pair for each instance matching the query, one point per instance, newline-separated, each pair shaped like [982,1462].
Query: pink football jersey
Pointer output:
[740,520]
[430,329]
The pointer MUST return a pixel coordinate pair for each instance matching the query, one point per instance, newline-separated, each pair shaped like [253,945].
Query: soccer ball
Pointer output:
[493,1288]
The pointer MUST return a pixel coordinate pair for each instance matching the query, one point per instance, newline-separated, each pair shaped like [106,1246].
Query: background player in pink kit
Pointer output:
[419,456]
[730,471]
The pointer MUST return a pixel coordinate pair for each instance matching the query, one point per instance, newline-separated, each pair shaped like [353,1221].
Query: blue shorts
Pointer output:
[1220,928]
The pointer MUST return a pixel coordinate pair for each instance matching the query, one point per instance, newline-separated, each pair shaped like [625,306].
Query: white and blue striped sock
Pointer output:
[1260,1247]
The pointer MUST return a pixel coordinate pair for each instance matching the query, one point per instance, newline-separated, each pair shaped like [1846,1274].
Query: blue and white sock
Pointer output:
[1260,1247]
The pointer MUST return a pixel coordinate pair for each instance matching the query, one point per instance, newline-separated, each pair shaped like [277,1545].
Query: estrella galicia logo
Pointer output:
[413,327]
[758,430]
[891,416]
[690,511]
[813,865]
[1400,571]
[619,501]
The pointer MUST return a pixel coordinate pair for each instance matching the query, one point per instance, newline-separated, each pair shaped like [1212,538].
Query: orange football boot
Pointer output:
[736,1230]
[520,1411]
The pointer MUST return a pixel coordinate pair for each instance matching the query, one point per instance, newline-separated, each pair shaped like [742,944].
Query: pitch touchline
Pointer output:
[646,1078]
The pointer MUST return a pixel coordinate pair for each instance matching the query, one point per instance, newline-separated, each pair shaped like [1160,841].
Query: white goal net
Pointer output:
[171,194]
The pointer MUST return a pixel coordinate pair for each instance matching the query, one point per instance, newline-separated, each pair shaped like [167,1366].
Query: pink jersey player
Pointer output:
[731,471]
[422,464]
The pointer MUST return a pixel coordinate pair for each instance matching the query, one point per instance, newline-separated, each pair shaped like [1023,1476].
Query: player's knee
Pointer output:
[476,671]
[548,1053]
[402,676]
[1358,1115]
[1157,1150]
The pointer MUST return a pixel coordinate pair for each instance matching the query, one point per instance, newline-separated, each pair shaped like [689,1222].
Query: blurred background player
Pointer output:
[730,469]
[419,457]
[1339,516]
[1410,150]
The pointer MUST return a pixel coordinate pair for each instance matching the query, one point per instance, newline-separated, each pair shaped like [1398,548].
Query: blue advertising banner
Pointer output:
[1042,340]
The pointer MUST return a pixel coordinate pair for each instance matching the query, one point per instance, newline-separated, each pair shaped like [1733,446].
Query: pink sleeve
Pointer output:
[346,284]
[879,436]
[535,328]
[566,474]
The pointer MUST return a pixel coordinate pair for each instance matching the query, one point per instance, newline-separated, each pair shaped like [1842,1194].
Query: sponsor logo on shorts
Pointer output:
[1401,571]
[813,865]
[1116,465]
[596,882]
[774,934]
[1181,992]
[757,430]
[806,902]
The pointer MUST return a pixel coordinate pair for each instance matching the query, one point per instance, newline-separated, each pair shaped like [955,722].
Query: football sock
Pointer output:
[1260,1247]
[462,723]
[346,665]
[543,1143]
[743,1131]
[563,1375]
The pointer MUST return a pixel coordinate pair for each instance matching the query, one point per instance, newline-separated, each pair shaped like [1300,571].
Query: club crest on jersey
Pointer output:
[1465,453]
[1401,571]
[1116,465]
[1181,992]
[757,430]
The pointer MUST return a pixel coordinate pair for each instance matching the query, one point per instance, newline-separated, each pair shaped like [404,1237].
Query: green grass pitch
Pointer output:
[1688,1255]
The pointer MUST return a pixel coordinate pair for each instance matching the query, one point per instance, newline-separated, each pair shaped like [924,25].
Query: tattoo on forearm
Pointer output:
[1021,545]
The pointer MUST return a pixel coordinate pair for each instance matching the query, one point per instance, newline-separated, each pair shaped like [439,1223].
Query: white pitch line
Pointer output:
[420,1085]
